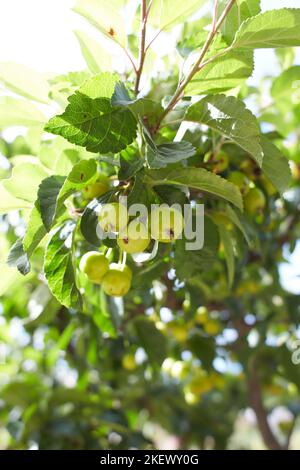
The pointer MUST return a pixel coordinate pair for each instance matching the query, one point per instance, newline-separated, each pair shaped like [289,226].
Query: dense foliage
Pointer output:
[192,337]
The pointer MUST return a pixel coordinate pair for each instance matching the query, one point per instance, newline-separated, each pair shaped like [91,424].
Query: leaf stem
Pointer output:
[216,24]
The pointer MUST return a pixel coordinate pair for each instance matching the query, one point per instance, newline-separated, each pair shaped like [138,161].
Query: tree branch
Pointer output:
[256,402]
[216,24]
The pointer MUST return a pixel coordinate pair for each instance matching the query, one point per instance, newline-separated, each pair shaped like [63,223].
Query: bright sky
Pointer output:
[39,34]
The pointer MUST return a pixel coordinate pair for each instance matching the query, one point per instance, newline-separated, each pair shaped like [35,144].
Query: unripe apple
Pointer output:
[212,327]
[94,265]
[202,315]
[179,332]
[128,362]
[268,186]
[101,186]
[117,280]
[240,180]
[220,162]
[250,168]
[167,224]
[186,305]
[135,238]
[254,201]
[113,217]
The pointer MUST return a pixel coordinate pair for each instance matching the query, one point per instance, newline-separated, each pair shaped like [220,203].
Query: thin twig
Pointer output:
[142,49]
[176,97]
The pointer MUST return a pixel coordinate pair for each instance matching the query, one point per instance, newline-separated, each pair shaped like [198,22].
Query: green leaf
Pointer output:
[15,112]
[130,162]
[89,219]
[275,165]
[102,316]
[151,339]
[230,117]
[226,72]
[273,28]
[53,191]
[58,267]
[91,121]
[25,180]
[159,156]
[145,108]
[35,231]
[203,348]
[18,258]
[286,86]
[167,13]
[198,178]
[24,81]
[226,240]
[190,263]
[96,57]
[241,11]
[9,203]
[106,16]
[238,219]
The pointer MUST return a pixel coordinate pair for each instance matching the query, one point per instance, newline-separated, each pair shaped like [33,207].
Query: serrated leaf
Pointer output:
[151,339]
[96,57]
[58,267]
[25,180]
[271,29]
[91,121]
[144,108]
[15,112]
[198,178]
[89,219]
[9,203]
[159,156]
[230,117]
[35,231]
[24,81]
[53,191]
[241,10]
[226,72]
[275,165]
[167,13]
[106,16]
[18,258]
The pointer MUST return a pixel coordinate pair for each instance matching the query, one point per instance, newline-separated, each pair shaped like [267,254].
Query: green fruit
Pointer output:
[220,162]
[268,186]
[117,281]
[113,217]
[240,180]
[128,362]
[202,315]
[167,224]
[98,188]
[254,201]
[94,265]
[250,168]
[135,238]
[212,327]
[186,305]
